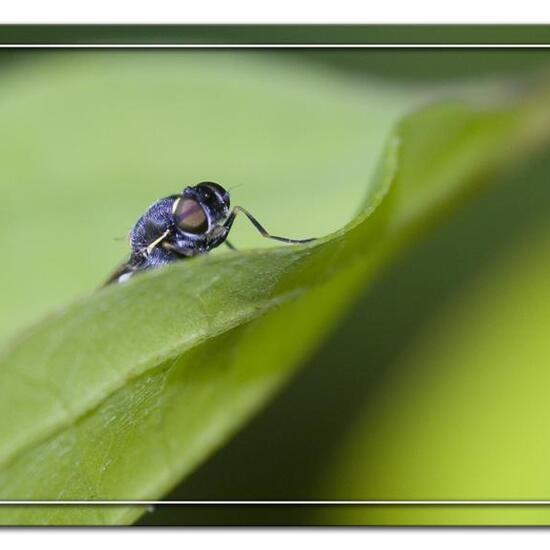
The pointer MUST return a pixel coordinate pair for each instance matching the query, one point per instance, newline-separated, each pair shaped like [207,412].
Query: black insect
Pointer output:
[185,225]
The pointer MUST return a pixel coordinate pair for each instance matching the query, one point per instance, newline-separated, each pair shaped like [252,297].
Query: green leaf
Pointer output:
[123,393]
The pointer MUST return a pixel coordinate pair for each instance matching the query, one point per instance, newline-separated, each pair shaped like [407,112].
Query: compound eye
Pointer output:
[190,216]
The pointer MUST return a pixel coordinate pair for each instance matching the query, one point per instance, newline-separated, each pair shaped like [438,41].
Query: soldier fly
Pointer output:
[185,225]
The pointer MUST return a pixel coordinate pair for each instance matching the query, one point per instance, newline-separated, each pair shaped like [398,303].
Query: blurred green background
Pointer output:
[89,139]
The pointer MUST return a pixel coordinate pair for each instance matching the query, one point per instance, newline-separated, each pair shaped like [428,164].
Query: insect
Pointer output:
[185,225]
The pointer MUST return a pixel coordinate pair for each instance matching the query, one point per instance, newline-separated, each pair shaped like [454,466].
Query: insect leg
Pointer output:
[155,243]
[263,232]
[229,245]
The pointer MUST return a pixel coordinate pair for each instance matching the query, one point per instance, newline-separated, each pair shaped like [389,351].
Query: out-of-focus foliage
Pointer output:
[122,394]
[405,65]
[462,414]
